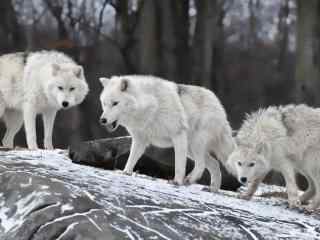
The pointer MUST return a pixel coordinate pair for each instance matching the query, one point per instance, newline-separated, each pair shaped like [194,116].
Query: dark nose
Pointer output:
[103,121]
[65,104]
[243,179]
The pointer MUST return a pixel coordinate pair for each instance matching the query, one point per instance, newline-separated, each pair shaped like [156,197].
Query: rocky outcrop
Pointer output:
[43,195]
[112,153]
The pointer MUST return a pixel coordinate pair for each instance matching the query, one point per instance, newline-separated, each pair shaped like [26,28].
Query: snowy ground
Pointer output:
[137,207]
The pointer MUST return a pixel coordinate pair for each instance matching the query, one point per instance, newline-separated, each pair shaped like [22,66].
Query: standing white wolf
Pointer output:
[165,114]
[285,139]
[37,83]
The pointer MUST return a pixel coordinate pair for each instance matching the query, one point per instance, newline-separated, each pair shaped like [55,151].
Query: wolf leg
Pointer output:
[48,123]
[180,144]
[315,202]
[309,193]
[291,185]
[13,121]
[2,106]
[199,166]
[29,115]
[252,188]
[138,147]
[213,166]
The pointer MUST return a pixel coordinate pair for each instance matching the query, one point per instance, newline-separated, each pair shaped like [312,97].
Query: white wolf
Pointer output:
[165,114]
[37,83]
[2,106]
[285,139]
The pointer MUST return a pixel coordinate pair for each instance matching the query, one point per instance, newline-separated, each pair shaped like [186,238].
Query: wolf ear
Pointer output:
[124,84]
[104,81]
[78,71]
[262,148]
[55,69]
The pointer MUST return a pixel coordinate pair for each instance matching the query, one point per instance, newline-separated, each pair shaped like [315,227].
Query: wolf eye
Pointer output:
[251,164]
[114,104]
[60,88]
[71,89]
[239,163]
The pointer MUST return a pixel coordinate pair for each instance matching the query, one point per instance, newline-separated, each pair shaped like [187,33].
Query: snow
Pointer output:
[22,209]
[187,207]
[66,207]
[70,227]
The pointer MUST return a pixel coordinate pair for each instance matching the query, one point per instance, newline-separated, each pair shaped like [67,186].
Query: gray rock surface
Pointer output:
[43,195]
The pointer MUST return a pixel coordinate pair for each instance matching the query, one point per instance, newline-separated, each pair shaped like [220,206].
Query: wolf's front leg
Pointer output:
[252,188]
[48,123]
[138,147]
[291,185]
[180,144]
[29,116]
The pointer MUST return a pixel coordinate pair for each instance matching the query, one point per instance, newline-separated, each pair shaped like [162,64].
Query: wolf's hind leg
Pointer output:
[13,121]
[309,193]
[291,186]
[313,176]
[180,144]
[315,202]
[213,166]
[2,106]
[196,173]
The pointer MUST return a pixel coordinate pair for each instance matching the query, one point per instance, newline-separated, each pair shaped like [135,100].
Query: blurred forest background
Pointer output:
[251,53]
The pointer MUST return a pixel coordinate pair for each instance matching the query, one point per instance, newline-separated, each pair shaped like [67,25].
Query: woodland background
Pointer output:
[251,53]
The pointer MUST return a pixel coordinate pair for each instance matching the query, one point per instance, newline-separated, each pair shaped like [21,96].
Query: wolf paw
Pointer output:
[176,182]
[188,180]
[33,148]
[213,188]
[49,147]
[294,203]
[245,196]
[311,207]
[127,172]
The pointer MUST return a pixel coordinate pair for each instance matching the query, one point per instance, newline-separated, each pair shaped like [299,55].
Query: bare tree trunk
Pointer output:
[122,22]
[253,38]
[283,30]
[56,9]
[218,82]
[205,30]
[147,36]
[174,32]
[308,42]
[13,36]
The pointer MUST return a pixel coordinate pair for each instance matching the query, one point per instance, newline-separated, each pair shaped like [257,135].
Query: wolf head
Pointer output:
[66,86]
[250,163]
[117,100]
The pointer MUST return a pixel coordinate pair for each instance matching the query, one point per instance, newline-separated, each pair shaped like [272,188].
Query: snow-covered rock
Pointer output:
[43,195]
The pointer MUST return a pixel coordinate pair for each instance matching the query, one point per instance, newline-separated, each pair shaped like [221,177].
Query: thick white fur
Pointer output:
[284,139]
[2,105]
[29,85]
[164,114]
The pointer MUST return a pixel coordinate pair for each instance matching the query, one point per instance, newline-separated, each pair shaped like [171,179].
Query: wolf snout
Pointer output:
[243,180]
[65,104]
[111,126]
[103,121]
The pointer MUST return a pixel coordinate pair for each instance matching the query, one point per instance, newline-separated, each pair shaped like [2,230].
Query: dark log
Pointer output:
[112,153]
